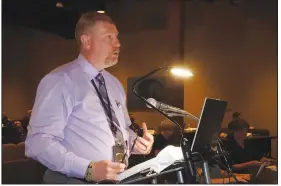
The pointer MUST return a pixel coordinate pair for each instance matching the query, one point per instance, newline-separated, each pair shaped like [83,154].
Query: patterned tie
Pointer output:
[111,116]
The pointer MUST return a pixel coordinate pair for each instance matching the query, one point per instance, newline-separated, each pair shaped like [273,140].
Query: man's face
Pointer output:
[103,42]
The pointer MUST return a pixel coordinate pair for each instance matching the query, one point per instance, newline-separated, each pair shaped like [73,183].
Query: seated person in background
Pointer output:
[21,134]
[163,138]
[242,153]
[6,122]
[11,131]
[219,176]
[25,120]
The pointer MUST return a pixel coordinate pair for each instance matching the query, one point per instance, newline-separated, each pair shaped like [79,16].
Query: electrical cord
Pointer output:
[194,153]
[202,159]
[228,177]
[225,159]
[229,172]
[222,145]
[200,176]
[125,154]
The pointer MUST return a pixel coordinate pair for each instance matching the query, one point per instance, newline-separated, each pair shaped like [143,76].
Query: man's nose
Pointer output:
[117,43]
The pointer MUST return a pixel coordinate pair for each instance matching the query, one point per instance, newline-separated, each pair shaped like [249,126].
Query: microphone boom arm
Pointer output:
[189,165]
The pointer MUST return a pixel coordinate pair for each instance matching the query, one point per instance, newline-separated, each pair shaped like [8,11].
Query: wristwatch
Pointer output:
[88,174]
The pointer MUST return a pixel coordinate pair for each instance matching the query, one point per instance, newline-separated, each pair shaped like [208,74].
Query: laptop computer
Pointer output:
[209,124]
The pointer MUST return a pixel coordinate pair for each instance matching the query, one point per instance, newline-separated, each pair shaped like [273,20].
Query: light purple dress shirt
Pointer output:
[68,127]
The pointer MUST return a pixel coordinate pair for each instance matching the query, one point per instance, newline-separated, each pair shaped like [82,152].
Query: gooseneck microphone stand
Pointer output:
[189,167]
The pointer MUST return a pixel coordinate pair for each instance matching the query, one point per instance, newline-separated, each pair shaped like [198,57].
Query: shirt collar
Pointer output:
[87,67]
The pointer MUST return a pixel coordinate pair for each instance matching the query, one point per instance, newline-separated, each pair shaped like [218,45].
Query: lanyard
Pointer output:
[107,109]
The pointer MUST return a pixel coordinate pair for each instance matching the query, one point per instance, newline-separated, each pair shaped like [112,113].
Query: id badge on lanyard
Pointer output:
[119,152]
[120,147]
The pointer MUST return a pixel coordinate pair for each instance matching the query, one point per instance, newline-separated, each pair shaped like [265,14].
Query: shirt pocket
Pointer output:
[117,107]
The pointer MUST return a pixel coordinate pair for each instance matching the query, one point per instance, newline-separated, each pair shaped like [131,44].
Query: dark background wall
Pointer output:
[231,49]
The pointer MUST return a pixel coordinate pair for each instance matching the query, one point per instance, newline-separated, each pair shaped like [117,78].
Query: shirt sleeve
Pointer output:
[53,105]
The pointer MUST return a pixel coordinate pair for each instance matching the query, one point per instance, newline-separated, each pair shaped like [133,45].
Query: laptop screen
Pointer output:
[209,124]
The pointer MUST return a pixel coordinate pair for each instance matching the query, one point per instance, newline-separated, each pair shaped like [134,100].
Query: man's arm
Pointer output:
[53,105]
[246,164]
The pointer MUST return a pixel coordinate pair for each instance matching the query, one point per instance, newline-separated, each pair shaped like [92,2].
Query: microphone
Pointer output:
[169,109]
[164,107]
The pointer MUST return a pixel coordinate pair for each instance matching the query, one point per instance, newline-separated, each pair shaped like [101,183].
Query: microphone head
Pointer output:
[152,101]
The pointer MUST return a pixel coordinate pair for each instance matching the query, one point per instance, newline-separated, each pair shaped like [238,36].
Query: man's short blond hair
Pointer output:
[88,20]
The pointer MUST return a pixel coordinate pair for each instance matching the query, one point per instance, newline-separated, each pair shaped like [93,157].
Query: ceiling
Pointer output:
[47,15]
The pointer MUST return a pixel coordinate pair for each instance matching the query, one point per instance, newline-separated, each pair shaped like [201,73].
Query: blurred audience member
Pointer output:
[12,131]
[6,122]
[219,176]
[164,137]
[237,116]
[20,132]
[243,154]
[25,120]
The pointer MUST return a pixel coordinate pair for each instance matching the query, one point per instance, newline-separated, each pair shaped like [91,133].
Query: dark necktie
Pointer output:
[111,116]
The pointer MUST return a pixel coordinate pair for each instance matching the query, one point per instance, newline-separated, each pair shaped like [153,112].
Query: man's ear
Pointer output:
[85,41]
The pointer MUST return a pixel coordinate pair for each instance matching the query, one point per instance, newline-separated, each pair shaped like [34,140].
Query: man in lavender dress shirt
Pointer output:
[69,130]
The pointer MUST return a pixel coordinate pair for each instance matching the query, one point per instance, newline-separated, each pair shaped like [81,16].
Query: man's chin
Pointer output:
[111,63]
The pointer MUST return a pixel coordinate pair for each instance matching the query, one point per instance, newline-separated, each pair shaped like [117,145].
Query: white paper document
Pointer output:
[164,159]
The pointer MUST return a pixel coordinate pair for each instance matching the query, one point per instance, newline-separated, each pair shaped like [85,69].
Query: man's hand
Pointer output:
[144,144]
[244,176]
[106,170]
[240,179]
[267,160]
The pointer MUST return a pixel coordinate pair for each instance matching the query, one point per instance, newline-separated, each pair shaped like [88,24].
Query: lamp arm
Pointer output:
[144,77]
[148,103]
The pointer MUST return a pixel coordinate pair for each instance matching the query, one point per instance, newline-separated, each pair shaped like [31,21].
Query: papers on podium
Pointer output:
[164,159]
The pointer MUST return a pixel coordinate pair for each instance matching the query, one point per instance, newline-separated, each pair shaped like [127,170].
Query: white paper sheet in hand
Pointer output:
[167,157]
[164,159]
[136,169]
